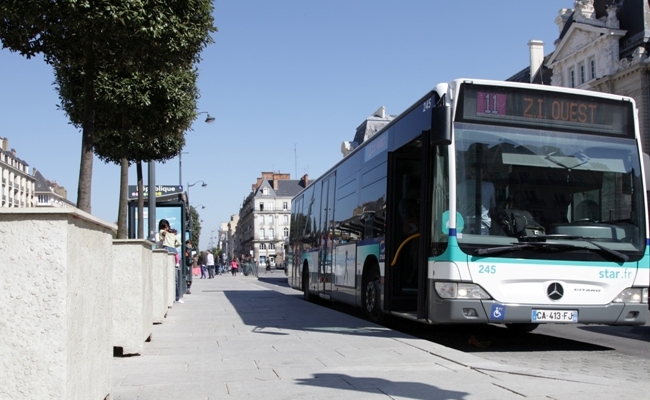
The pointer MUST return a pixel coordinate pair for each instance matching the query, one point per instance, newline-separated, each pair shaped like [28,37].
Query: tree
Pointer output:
[86,34]
[195,226]
[140,117]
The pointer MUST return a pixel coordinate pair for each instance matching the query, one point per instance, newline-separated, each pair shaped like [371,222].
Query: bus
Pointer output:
[484,202]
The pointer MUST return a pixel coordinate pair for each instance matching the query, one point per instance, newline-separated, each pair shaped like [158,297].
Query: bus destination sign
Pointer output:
[552,110]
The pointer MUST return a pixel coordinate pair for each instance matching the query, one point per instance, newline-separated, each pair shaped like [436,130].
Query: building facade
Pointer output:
[263,226]
[18,185]
[603,46]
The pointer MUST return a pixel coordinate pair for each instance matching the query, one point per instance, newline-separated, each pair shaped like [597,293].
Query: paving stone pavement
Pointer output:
[234,338]
[606,364]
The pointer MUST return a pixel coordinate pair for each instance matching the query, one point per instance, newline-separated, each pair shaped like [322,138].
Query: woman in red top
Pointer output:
[234,266]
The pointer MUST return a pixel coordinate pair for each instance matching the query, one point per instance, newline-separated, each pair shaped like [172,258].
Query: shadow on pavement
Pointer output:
[392,389]
[641,333]
[271,312]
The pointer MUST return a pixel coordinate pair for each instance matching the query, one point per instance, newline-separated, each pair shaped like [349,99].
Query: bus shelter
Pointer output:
[173,208]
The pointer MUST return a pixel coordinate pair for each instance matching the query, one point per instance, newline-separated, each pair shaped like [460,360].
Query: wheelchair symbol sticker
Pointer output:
[498,312]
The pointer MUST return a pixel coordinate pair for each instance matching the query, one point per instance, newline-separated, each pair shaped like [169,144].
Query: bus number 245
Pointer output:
[487,269]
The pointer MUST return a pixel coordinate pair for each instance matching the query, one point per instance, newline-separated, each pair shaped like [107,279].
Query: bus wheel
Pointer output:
[371,299]
[522,328]
[305,285]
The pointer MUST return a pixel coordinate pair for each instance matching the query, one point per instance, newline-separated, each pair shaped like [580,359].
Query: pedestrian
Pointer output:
[210,264]
[268,264]
[170,242]
[201,264]
[234,266]
[189,258]
[188,266]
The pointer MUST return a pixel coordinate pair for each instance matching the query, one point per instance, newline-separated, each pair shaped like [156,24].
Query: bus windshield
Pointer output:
[581,192]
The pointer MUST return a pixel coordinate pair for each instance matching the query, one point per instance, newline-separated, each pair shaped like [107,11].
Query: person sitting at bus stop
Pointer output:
[467,202]
[170,242]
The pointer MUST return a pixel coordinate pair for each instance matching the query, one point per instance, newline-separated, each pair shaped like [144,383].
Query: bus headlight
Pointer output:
[453,290]
[632,295]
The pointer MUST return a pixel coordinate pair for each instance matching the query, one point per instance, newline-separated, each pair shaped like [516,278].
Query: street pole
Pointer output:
[152,201]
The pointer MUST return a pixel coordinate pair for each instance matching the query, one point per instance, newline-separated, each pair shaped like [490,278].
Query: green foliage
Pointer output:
[195,223]
[152,109]
[102,40]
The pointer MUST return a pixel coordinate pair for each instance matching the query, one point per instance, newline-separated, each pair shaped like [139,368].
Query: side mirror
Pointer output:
[440,125]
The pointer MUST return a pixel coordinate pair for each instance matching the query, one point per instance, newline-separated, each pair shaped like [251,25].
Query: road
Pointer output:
[621,352]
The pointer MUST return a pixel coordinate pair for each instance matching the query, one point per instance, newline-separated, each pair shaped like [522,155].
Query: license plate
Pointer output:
[554,316]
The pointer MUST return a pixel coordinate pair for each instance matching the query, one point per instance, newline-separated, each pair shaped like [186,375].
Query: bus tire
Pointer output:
[305,285]
[522,328]
[371,299]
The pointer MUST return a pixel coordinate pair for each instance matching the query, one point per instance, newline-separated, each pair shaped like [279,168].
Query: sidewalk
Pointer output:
[236,339]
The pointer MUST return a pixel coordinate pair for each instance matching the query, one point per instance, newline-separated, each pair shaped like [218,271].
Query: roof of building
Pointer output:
[42,184]
[286,188]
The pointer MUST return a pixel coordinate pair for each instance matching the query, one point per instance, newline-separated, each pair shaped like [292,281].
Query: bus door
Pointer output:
[325,271]
[402,236]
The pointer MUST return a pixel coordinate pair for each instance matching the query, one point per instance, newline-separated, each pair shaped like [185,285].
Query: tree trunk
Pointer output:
[124,187]
[140,202]
[86,167]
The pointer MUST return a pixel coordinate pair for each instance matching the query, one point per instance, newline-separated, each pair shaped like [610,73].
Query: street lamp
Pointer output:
[199,205]
[209,119]
[189,186]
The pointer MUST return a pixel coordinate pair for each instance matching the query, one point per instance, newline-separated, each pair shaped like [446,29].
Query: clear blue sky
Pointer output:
[287,82]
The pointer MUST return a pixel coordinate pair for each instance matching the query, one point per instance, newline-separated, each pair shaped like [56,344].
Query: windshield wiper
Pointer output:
[526,245]
[590,240]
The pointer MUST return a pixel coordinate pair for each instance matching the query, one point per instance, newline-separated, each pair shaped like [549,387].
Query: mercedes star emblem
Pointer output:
[555,291]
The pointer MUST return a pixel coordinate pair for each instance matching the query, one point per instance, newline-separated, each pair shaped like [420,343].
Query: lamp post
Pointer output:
[198,205]
[189,186]
[180,166]
[208,120]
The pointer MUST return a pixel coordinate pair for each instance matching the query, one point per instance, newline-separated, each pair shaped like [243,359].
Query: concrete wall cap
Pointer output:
[67,211]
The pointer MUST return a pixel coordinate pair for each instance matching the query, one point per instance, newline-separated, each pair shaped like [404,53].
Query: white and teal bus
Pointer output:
[485,202]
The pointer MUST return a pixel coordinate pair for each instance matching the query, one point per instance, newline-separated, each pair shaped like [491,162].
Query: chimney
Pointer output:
[304,181]
[536,48]
[13,152]
[5,143]
[275,183]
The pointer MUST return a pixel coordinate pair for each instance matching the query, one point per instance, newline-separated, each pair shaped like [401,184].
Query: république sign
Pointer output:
[160,190]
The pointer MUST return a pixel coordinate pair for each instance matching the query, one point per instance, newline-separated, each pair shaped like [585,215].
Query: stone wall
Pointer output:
[56,304]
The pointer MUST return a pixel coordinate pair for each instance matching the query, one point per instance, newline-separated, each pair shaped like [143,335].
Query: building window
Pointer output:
[262,233]
[270,219]
[572,77]
[265,191]
[286,232]
[285,205]
[271,232]
[262,246]
[285,219]
[261,206]
[269,206]
[271,246]
[261,220]
[592,68]
[582,74]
